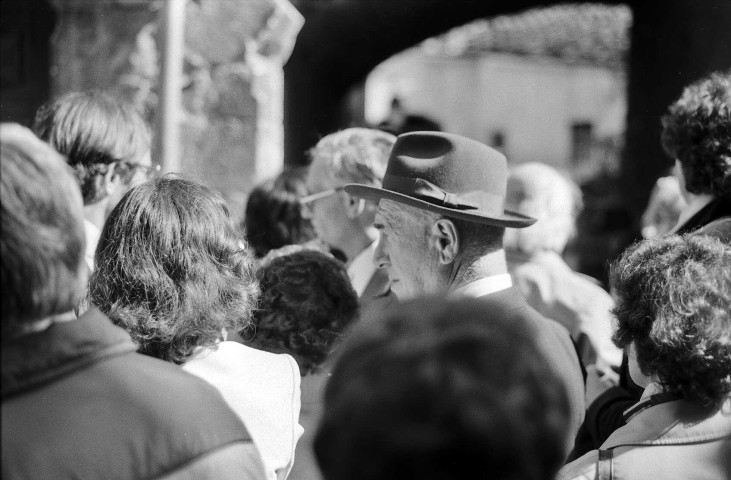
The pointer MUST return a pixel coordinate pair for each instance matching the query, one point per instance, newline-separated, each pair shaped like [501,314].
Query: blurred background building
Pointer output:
[547,85]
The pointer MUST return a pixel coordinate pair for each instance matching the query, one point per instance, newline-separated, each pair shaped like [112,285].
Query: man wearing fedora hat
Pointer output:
[441,217]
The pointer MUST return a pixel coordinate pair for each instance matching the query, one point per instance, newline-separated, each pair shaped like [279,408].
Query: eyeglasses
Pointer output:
[150,171]
[309,199]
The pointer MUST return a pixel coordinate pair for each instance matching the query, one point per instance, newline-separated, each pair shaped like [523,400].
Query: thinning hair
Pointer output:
[42,243]
[94,130]
[673,295]
[171,270]
[697,132]
[354,155]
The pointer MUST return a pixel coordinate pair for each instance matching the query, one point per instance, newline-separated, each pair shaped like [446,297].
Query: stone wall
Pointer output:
[231,122]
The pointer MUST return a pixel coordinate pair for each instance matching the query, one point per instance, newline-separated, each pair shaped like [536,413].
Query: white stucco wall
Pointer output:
[532,101]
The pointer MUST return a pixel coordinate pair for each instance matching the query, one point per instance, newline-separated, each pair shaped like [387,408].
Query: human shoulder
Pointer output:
[583,468]
[238,352]
[240,461]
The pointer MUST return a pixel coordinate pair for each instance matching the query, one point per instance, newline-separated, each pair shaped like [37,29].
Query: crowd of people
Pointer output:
[400,309]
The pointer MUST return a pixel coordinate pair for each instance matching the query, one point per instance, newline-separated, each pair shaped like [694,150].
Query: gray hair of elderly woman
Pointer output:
[540,191]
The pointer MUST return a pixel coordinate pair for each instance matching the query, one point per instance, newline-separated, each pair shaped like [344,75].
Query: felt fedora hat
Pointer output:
[446,174]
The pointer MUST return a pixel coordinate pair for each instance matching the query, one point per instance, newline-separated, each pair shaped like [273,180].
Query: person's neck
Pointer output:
[695,202]
[44,323]
[96,214]
[488,265]
[357,242]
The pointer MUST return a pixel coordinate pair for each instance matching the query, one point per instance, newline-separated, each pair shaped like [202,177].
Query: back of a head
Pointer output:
[42,242]
[93,130]
[697,132]
[541,192]
[273,215]
[672,301]
[445,391]
[353,155]
[171,270]
[306,303]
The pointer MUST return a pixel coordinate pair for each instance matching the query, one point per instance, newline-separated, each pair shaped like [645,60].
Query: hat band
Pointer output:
[427,191]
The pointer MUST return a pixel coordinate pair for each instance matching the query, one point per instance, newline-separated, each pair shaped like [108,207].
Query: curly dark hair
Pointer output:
[306,303]
[273,215]
[171,270]
[448,390]
[697,132]
[674,302]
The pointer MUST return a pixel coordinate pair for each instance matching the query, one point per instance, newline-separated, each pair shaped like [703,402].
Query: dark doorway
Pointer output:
[25,32]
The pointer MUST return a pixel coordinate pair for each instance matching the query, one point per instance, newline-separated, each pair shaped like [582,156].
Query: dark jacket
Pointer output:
[715,210]
[78,402]
[558,348]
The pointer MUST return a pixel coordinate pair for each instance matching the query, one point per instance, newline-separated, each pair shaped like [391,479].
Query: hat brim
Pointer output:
[507,219]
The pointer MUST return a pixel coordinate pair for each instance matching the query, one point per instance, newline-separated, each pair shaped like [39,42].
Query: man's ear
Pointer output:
[111,180]
[354,206]
[445,240]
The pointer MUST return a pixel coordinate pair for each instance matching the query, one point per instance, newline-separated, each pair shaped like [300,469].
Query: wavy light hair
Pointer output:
[171,270]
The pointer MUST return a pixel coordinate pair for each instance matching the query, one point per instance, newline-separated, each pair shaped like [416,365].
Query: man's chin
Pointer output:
[397,289]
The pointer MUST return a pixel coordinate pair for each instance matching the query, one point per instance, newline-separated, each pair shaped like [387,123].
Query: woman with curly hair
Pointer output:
[674,320]
[306,303]
[696,133]
[171,271]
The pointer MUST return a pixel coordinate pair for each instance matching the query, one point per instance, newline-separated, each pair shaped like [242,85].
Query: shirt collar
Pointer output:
[92,239]
[653,395]
[484,286]
[362,268]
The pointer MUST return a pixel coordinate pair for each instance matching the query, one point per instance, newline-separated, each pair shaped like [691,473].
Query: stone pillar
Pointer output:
[232,126]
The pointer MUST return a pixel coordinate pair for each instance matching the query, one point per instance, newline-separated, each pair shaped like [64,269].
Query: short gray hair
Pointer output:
[542,192]
[354,155]
[476,239]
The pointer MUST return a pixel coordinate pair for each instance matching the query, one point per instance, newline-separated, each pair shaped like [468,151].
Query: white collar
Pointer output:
[92,238]
[362,268]
[484,286]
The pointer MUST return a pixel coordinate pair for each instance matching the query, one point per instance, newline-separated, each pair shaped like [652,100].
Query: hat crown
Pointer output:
[455,164]
[449,175]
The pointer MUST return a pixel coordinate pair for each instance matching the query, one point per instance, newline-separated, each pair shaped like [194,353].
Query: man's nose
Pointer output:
[380,257]
[306,211]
